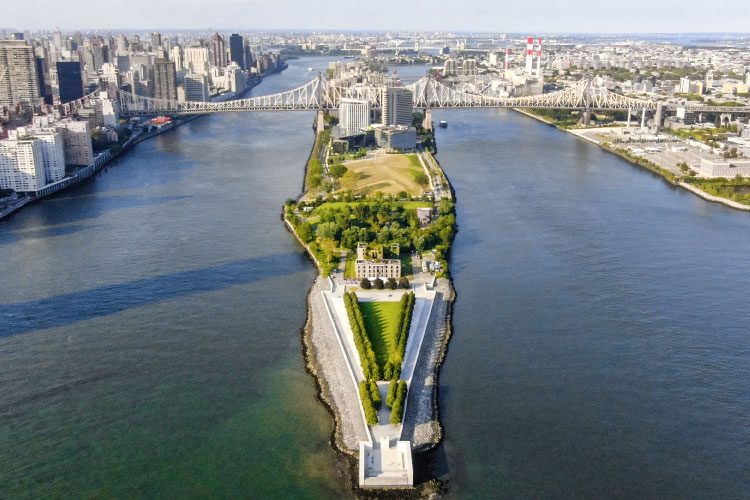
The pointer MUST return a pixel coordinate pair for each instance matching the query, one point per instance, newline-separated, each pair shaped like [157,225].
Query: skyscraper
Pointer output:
[164,79]
[155,40]
[237,50]
[354,115]
[217,52]
[397,106]
[18,78]
[196,87]
[70,80]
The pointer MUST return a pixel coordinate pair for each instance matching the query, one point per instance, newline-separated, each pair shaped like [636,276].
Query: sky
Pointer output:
[496,16]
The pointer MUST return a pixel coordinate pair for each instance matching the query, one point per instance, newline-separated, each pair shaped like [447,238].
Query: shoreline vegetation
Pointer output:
[729,192]
[329,229]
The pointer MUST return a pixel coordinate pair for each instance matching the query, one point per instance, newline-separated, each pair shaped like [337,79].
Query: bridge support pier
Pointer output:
[629,111]
[658,117]
[643,119]
[427,121]
[586,117]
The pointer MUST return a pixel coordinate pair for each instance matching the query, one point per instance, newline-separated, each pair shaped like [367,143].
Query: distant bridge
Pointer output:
[428,93]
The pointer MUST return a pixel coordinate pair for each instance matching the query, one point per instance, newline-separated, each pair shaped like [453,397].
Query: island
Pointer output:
[378,223]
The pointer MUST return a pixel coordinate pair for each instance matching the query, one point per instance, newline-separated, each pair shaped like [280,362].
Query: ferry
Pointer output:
[310,69]
[443,124]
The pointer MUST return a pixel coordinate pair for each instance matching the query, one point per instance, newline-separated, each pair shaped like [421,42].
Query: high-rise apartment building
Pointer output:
[397,106]
[237,50]
[217,51]
[18,77]
[354,115]
[77,141]
[22,165]
[70,80]
[165,86]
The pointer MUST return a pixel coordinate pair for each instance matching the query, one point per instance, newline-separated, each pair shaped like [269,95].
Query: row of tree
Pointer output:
[370,396]
[378,284]
[367,359]
[396,400]
[392,368]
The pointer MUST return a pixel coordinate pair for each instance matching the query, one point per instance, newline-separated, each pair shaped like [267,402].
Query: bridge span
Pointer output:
[428,93]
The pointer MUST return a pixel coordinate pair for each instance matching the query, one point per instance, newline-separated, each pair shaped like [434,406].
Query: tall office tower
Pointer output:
[196,87]
[39,63]
[249,59]
[78,39]
[70,80]
[110,74]
[217,52]
[176,56]
[237,50]
[155,40]
[122,45]
[196,59]
[354,115]
[397,106]
[22,165]
[57,39]
[165,86]
[18,78]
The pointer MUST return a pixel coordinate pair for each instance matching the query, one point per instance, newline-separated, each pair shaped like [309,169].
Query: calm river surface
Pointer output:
[149,324]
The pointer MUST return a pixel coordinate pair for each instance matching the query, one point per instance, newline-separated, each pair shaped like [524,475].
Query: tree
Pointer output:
[421,179]
[403,282]
[327,230]
[365,284]
[304,231]
[391,284]
[289,202]
[337,171]
[378,284]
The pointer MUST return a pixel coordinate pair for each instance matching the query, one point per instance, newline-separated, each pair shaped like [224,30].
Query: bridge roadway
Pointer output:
[428,93]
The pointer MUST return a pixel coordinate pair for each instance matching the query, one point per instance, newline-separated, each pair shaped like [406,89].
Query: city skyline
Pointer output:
[638,16]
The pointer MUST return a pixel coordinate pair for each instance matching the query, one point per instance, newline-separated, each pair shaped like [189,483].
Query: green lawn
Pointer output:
[349,271]
[406,269]
[381,322]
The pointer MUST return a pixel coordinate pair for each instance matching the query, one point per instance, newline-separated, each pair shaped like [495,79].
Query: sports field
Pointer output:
[381,322]
[389,173]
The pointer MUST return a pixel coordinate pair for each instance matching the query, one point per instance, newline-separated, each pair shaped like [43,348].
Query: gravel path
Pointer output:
[421,425]
[328,364]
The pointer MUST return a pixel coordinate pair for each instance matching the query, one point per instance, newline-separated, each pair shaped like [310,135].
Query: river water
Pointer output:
[150,343]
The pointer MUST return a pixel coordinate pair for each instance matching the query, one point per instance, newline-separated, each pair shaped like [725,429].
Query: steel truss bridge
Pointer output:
[320,95]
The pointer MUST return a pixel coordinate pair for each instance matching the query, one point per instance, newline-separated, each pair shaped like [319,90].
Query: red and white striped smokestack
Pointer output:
[539,60]
[529,55]
[507,59]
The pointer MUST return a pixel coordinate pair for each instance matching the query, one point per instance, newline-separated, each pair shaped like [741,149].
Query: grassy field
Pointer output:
[381,322]
[389,173]
[349,271]
[333,205]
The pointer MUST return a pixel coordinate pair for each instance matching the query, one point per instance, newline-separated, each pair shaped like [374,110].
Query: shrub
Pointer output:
[391,284]
[392,388]
[397,409]
[365,284]
[403,282]
[371,415]
[375,394]
[378,284]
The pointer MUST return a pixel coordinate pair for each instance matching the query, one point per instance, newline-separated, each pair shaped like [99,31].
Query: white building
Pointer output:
[724,168]
[22,165]
[196,59]
[354,115]
[53,150]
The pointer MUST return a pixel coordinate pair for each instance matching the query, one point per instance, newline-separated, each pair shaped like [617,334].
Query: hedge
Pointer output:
[397,410]
[392,368]
[371,414]
[370,369]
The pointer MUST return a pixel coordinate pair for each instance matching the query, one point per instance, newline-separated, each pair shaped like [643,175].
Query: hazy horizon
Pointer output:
[477,16]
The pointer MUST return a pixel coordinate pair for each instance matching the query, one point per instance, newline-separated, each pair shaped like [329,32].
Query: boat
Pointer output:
[443,124]
[310,69]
